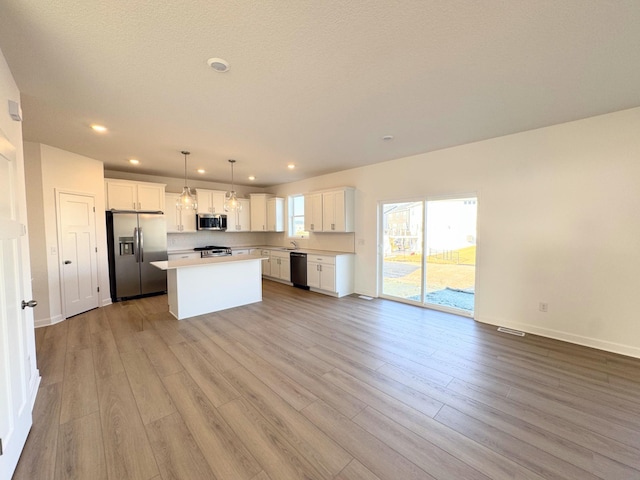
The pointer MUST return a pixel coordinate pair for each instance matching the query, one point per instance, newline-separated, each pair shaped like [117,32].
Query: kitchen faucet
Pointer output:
[295,245]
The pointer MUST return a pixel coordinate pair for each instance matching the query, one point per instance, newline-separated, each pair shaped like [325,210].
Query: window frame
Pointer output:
[292,215]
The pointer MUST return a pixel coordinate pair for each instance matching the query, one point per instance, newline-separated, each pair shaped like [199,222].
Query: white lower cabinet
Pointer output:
[281,265]
[266,262]
[331,274]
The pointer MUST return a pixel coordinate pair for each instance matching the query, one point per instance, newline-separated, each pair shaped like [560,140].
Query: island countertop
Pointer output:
[198,262]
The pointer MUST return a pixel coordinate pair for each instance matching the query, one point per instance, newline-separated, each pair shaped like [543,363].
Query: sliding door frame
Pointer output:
[380,266]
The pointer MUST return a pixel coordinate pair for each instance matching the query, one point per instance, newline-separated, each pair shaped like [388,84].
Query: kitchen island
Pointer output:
[204,285]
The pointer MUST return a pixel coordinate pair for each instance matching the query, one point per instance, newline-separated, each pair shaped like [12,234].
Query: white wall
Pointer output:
[558,222]
[67,172]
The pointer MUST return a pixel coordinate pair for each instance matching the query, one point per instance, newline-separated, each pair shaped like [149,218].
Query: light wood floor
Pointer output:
[304,386]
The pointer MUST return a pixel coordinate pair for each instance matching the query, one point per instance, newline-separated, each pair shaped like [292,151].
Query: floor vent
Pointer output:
[365,297]
[510,331]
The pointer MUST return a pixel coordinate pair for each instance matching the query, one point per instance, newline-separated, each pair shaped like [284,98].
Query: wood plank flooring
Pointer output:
[304,386]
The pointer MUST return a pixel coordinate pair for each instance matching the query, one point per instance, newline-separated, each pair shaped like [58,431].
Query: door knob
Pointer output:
[67,262]
[30,303]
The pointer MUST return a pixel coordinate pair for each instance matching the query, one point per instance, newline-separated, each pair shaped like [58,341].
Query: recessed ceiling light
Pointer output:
[252,177]
[218,64]
[291,166]
[200,170]
[387,138]
[99,128]
[134,161]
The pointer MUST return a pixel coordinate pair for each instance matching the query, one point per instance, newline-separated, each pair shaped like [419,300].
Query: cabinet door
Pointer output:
[240,221]
[328,277]
[150,197]
[217,201]
[203,197]
[275,215]
[188,219]
[313,274]
[313,212]
[339,219]
[266,263]
[243,217]
[121,196]
[258,213]
[172,214]
[285,269]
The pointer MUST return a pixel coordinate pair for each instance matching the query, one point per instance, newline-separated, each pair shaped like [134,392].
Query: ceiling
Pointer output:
[314,83]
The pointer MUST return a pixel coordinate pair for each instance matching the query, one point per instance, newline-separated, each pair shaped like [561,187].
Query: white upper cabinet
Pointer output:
[313,212]
[178,221]
[210,201]
[338,210]
[128,195]
[275,214]
[267,213]
[258,212]
[240,221]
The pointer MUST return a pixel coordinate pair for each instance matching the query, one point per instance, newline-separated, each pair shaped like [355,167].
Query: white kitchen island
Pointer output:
[205,285]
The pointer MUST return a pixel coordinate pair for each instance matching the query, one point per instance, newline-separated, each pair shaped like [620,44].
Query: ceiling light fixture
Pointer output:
[387,138]
[186,200]
[218,64]
[134,161]
[201,170]
[252,177]
[99,128]
[231,203]
[291,166]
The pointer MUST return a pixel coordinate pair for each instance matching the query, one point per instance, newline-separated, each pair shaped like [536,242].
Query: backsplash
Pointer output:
[335,242]
[186,241]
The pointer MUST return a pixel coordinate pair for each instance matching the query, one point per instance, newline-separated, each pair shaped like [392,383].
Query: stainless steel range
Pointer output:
[213,251]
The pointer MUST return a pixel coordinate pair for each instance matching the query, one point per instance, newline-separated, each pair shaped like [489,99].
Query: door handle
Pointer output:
[67,262]
[30,303]
[136,244]
[141,245]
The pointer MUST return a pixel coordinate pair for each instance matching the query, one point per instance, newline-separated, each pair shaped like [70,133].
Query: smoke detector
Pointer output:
[218,64]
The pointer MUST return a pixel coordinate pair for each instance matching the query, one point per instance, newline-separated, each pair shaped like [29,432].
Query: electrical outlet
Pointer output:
[543,307]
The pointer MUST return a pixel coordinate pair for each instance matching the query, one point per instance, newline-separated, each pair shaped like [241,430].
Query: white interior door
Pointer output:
[78,248]
[18,376]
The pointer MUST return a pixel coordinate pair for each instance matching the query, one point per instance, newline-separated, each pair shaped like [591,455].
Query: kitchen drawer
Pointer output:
[183,256]
[326,259]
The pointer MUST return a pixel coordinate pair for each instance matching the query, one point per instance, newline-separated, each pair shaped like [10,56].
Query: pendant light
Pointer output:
[231,203]
[187,200]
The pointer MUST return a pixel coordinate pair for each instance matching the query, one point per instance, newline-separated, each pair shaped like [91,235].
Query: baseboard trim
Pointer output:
[45,322]
[607,346]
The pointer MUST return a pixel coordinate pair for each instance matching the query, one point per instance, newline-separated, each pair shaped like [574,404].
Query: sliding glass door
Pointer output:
[429,253]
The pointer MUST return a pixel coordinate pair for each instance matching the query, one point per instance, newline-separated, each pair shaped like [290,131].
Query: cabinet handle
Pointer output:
[312,226]
[134,205]
[139,206]
[333,226]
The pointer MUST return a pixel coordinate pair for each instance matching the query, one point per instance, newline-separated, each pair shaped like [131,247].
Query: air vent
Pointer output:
[510,331]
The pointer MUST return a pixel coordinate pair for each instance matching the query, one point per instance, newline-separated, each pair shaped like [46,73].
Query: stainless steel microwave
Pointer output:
[211,221]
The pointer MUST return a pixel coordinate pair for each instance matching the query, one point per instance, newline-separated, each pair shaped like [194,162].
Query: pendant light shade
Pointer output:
[187,200]
[231,203]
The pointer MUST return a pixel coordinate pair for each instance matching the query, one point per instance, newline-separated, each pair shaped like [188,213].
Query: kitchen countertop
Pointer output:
[198,262]
[308,251]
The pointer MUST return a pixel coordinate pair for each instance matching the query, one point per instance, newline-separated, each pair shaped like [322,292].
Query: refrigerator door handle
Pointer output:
[141,245]
[136,244]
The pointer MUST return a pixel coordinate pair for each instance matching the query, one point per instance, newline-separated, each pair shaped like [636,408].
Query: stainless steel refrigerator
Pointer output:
[135,239]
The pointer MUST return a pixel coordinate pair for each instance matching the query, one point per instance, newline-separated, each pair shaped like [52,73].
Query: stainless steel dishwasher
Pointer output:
[299,270]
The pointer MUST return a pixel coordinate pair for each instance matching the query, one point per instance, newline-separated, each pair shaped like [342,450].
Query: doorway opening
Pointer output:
[429,253]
